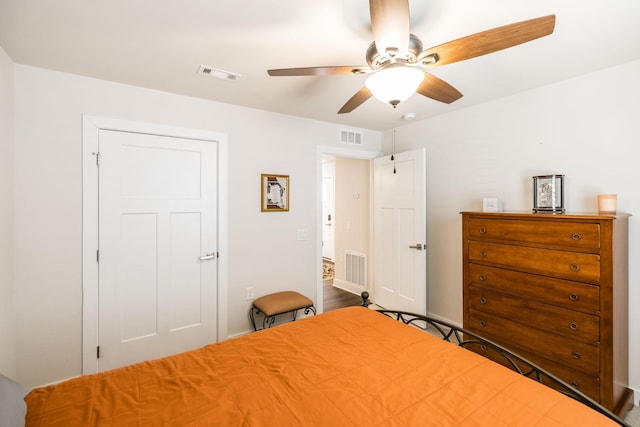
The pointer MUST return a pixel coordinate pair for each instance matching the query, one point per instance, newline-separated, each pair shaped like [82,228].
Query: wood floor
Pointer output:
[334,298]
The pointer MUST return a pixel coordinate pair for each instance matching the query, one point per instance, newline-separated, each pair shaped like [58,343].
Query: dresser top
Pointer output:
[549,215]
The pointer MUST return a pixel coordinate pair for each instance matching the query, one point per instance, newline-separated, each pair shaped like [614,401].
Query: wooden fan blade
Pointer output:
[390,24]
[435,88]
[319,71]
[356,100]
[491,40]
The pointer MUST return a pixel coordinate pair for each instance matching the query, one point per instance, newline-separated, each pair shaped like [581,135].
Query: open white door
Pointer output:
[400,272]
[328,209]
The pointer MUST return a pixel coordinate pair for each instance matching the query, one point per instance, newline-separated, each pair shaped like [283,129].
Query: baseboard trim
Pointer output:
[348,286]
[625,403]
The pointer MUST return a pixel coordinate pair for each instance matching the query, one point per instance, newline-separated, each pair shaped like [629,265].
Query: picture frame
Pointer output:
[548,193]
[274,190]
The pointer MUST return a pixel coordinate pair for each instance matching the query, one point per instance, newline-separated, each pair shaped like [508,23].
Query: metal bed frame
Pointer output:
[478,344]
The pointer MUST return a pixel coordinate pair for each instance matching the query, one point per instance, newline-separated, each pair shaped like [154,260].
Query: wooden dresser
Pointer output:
[553,288]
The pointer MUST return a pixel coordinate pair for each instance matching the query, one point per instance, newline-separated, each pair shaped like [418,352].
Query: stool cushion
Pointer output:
[281,302]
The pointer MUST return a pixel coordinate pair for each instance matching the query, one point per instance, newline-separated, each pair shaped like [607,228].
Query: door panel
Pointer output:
[385,250]
[184,291]
[407,260]
[400,224]
[139,271]
[157,210]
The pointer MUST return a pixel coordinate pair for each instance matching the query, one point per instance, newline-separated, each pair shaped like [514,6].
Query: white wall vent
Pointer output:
[205,70]
[350,137]
[356,267]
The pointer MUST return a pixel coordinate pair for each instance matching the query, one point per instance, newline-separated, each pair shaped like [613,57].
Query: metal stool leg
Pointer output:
[252,316]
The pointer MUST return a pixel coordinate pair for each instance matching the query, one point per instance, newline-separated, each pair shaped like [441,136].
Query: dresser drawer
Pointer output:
[569,234]
[563,264]
[562,293]
[564,351]
[587,384]
[571,324]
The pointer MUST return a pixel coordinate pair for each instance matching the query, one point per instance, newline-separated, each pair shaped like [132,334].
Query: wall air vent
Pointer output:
[356,268]
[350,137]
[205,70]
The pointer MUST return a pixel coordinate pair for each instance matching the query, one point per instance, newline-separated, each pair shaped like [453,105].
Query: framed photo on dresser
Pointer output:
[548,193]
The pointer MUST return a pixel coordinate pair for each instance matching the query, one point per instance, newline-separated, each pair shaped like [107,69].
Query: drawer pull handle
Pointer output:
[483,278]
[576,236]
[575,384]
[482,230]
[483,254]
[576,355]
[573,326]
[483,323]
[574,297]
[483,300]
[574,267]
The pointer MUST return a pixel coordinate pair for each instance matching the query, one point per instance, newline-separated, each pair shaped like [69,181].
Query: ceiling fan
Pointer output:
[397,57]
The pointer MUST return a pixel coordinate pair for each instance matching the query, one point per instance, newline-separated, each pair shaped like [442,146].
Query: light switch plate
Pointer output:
[303,234]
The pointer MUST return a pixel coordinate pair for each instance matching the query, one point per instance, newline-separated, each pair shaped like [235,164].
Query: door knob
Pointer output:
[208,255]
[417,246]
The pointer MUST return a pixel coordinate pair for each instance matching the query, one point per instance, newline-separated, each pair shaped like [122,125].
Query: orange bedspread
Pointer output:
[351,367]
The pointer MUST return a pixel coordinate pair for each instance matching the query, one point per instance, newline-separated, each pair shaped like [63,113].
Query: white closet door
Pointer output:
[157,246]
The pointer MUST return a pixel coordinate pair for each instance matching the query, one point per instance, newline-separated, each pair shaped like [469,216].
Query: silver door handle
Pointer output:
[208,255]
[417,246]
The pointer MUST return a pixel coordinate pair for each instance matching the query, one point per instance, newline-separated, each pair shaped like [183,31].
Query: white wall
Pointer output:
[263,248]
[353,209]
[587,128]
[7,335]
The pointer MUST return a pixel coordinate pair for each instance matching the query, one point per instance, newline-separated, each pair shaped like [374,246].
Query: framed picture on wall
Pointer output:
[275,192]
[548,193]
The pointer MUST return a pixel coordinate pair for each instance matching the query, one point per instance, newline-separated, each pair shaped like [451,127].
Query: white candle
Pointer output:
[607,203]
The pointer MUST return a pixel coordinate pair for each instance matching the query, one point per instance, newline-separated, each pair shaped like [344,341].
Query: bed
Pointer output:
[349,367]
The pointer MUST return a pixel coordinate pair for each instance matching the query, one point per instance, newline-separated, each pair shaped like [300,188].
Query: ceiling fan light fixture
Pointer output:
[395,84]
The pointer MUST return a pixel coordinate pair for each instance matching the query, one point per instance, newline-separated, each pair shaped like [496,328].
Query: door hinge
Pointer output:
[98,255]
[98,352]
[97,154]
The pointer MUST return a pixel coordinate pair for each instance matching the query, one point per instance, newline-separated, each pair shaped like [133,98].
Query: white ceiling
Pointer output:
[160,44]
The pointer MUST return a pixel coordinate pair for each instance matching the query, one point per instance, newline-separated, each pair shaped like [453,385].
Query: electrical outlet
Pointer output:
[249,293]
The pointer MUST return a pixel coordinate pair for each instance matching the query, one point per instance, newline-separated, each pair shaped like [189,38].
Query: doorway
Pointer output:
[407,244]
[346,230]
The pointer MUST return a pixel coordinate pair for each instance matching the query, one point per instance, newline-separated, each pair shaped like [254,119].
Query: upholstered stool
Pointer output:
[279,303]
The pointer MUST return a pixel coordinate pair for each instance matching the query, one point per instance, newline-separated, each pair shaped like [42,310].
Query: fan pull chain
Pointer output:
[393,150]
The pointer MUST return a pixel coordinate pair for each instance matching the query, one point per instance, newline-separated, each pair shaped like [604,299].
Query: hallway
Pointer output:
[334,298]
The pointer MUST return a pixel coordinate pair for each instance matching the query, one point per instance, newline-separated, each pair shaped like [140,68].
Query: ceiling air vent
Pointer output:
[350,137]
[205,70]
